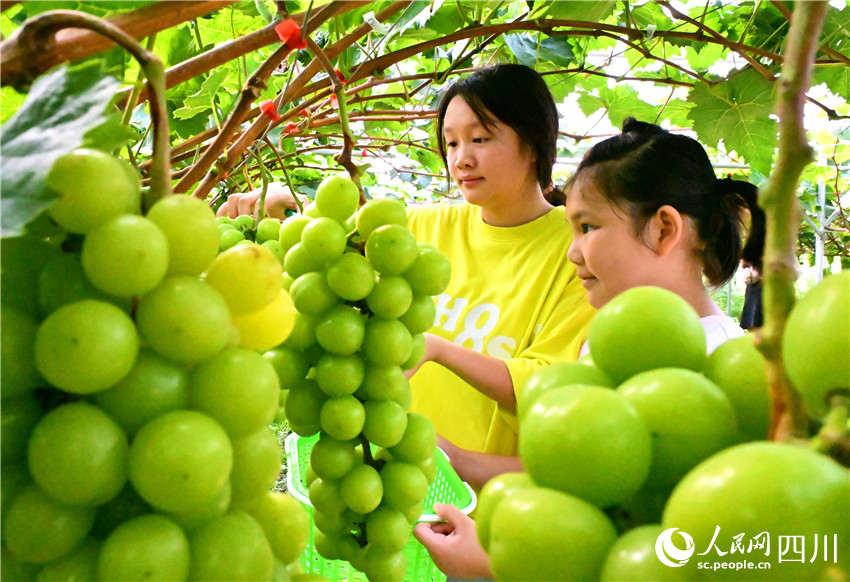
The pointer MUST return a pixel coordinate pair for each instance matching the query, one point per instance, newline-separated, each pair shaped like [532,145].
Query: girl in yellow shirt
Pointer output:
[514,302]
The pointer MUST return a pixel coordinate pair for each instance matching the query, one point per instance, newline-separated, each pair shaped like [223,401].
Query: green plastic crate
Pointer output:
[446,488]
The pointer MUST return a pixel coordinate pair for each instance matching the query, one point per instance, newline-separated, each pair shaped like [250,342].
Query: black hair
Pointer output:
[646,167]
[518,97]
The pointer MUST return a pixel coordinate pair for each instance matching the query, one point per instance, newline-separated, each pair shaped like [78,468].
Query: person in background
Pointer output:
[751,313]
[645,208]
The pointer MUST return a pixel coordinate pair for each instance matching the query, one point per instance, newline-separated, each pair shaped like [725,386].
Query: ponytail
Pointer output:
[720,230]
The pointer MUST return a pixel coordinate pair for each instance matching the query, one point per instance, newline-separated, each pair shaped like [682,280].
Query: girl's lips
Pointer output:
[471,181]
[587,281]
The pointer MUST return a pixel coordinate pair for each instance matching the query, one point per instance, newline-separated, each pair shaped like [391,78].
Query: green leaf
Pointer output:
[837,79]
[590,104]
[676,111]
[700,59]
[651,13]
[737,111]
[10,101]
[557,50]
[446,19]
[523,47]
[204,99]
[60,112]
[587,11]
[623,101]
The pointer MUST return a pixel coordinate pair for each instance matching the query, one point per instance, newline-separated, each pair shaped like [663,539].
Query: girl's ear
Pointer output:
[665,230]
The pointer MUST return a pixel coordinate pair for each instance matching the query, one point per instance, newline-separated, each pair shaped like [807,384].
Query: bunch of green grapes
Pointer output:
[362,288]
[135,403]
[648,435]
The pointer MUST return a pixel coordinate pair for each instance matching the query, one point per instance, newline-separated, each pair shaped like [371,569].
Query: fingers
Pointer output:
[459,521]
[245,205]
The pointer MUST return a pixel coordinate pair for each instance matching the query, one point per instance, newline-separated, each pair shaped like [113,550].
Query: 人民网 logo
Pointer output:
[667,551]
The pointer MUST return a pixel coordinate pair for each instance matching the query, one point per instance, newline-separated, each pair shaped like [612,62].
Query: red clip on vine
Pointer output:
[289,33]
[340,76]
[268,108]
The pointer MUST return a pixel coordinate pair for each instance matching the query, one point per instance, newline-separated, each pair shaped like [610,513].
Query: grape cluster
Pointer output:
[648,434]
[135,406]
[362,289]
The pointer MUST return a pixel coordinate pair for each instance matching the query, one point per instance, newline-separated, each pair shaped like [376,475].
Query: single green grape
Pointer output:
[78,454]
[86,346]
[339,375]
[351,277]
[379,212]
[337,197]
[180,459]
[32,513]
[153,386]
[248,277]
[391,249]
[312,295]
[341,330]
[390,298]
[84,204]
[149,547]
[256,466]
[268,230]
[430,272]
[323,239]
[290,231]
[184,320]
[238,388]
[232,547]
[189,225]
[125,256]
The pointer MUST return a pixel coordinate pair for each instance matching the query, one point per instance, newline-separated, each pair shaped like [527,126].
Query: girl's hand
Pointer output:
[453,544]
[432,345]
[278,200]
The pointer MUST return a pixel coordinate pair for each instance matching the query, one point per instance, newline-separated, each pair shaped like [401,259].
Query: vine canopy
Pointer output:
[242,91]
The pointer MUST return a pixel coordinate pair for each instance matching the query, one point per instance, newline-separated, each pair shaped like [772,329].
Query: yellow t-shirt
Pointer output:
[513,295]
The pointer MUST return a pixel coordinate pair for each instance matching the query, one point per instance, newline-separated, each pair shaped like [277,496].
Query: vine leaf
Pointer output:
[553,49]
[60,114]
[622,101]
[204,99]
[738,112]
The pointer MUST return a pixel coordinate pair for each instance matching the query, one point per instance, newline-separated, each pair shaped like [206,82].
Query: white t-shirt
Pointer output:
[718,329]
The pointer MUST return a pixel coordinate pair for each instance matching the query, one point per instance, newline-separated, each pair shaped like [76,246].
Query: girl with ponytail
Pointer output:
[646,208]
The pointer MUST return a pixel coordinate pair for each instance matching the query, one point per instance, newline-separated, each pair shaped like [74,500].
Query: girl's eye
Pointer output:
[450,144]
[479,140]
[585,228]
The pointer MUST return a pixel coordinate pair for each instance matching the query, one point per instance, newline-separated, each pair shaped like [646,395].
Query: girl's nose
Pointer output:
[463,159]
[574,253]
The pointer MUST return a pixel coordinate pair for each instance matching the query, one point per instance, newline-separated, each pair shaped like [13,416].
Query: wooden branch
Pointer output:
[252,89]
[260,125]
[236,48]
[735,46]
[783,213]
[21,64]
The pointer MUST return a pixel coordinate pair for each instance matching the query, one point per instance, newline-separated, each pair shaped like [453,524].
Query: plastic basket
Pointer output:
[446,488]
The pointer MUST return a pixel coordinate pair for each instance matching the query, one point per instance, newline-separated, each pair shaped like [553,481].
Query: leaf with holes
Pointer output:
[738,112]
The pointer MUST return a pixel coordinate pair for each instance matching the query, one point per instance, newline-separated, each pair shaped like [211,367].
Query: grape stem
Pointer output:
[833,439]
[261,205]
[782,213]
[344,157]
[40,31]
